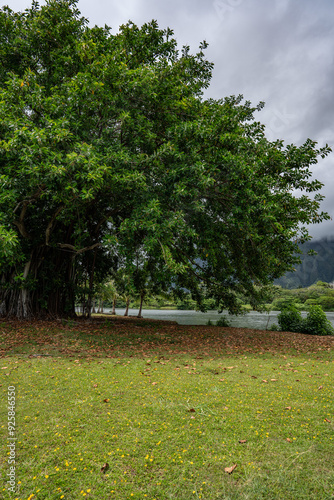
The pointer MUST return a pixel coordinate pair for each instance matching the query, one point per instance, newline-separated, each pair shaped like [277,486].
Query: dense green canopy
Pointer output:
[109,154]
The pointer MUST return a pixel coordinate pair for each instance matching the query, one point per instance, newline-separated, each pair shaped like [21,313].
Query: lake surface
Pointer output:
[259,321]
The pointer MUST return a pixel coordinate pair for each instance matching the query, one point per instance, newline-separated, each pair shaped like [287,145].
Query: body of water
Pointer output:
[259,321]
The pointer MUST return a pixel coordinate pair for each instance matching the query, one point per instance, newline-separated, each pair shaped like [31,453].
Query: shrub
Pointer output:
[290,320]
[326,302]
[317,323]
[223,321]
[274,327]
[209,323]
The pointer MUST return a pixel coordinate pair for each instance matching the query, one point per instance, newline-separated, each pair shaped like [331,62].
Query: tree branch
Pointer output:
[50,225]
[20,222]
[74,250]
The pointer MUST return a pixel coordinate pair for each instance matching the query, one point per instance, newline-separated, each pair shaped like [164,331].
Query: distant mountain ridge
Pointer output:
[313,268]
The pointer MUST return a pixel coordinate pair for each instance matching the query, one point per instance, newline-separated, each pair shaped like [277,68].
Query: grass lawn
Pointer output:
[138,409]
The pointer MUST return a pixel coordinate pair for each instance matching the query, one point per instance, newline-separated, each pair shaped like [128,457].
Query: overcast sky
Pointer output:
[277,51]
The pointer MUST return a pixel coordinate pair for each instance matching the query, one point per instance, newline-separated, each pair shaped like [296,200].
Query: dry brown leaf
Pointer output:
[265,381]
[95,385]
[192,410]
[273,380]
[287,408]
[106,400]
[320,387]
[229,470]
[289,440]
[242,441]
[105,467]
[221,380]
[154,383]
[326,419]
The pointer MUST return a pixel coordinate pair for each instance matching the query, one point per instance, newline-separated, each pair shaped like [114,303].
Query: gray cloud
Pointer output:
[280,52]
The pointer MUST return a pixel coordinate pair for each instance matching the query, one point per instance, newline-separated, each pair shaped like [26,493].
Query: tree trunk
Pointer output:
[114,306]
[44,287]
[127,306]
[91,284]
[141,305]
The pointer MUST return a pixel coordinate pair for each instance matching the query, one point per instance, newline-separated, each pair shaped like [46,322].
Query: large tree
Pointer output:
[107,145]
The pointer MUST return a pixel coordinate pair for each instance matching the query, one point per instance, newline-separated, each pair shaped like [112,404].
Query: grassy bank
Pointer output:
[164,409]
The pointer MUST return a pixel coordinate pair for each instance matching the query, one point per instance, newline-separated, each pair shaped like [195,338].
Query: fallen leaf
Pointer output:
[289,440]
[326,419]
[221,380]
[154,383]
[287,408]
[320,387]
[253,376]
[192,410]
[105,467]
[273,380]
[229,470]
[4,367]
[265,381]
[95,385]
[242,441]
[106,400]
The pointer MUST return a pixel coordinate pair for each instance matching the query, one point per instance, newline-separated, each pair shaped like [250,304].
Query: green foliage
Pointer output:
[320,293]
[317,323]
[111,158]
[290,320]
[223,321]
[274,327]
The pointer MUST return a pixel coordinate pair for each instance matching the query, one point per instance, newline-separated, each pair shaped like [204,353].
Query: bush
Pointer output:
[274,328]
[223,321]
[326,302]
[290,320]
[317,323]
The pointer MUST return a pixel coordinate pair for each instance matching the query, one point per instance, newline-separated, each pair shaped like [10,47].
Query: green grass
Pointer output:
[166,406]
